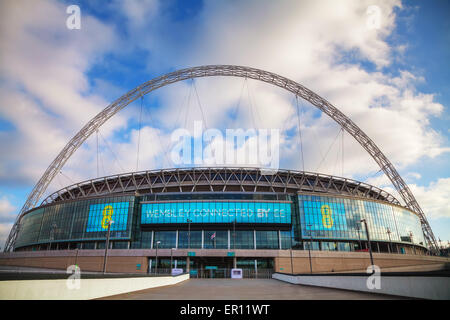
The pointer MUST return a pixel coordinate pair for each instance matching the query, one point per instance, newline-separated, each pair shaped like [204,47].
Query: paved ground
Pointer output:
[244,289]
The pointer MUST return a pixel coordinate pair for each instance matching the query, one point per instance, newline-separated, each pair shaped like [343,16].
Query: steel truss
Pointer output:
[213,179]
[231,71]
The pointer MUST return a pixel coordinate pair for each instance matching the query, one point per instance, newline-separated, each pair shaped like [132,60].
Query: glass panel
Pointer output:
[216,240]
[267,240]
[183,239]
[167,239]
[244,239]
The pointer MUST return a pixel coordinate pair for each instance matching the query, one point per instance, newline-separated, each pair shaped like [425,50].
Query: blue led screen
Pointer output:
[101,214]
[216,212]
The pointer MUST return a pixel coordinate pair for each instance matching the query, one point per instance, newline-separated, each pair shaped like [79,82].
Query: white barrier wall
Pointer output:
[436,288]
[89,288]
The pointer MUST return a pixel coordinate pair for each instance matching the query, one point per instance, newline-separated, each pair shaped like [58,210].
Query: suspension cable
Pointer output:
[326,154]
[67,177]
[96,132]
[139,134]
[342,153]
[188,107]
[183,106]
[112,152]
[251,105]
[199,104]
[300,132]
[236,109]
[157,135]
[252,98]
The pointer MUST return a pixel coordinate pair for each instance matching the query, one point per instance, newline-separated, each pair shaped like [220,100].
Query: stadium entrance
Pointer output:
[220,267]
[211,267]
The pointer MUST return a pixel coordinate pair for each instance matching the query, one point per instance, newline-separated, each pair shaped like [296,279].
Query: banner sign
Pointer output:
[216,212]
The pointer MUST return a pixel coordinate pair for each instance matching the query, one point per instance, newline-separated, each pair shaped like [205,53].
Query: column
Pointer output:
[203,237]
[151,241]
[279,240]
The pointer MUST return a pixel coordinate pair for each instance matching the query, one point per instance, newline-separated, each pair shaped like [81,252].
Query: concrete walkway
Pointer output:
[245,289]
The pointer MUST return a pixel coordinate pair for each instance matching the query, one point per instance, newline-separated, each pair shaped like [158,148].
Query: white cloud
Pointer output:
[7,210]
[434,198]
[44,91]
[5,228]
[7,217]
[320,44]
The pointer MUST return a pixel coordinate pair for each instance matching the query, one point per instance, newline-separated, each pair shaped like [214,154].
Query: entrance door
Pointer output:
[213,267]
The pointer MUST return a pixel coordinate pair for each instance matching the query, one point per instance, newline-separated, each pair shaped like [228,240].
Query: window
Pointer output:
[244,239]
[195,242]
[267,240]
[167,239]
[216,240]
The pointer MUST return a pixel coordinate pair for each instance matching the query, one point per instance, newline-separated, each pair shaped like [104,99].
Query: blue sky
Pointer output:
[392,81]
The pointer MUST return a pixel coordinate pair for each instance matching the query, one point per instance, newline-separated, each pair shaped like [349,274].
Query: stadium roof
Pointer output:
[223,179]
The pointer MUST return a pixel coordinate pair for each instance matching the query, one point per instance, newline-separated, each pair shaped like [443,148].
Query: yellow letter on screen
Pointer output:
[107,215]
[327,220]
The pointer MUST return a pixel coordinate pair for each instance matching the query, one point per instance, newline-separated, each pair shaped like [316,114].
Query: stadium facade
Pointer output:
[218,218]
[197,211]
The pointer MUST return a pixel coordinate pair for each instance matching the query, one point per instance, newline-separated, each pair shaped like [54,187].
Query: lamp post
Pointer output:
[368,240]
[171,258]
[412,242]
[189,233]
[292,264]
[390,242]
[309,247]
[359,237]
[234,234]
[156,260]
[52,234]
[110,222]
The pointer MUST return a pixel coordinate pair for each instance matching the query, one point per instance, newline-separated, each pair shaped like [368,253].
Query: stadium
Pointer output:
[207,221]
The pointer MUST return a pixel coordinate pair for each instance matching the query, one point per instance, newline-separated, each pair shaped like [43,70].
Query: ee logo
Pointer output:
[107,215]
[327,219]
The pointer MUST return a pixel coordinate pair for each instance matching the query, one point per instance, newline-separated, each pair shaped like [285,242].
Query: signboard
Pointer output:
[230,254]
[191,253]
[216,212]
[236,273]
[101,214]
[211,268]
[193,272]
[176,271]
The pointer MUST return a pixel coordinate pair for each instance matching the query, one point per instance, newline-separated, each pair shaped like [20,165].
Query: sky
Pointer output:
[388,71]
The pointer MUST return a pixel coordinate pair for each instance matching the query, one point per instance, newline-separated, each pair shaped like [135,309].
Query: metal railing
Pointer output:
[225,273]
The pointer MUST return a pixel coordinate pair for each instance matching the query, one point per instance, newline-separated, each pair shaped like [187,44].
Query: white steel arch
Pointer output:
[232,71]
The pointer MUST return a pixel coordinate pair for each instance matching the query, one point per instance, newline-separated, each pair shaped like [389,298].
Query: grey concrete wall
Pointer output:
[89,288]
[436,288]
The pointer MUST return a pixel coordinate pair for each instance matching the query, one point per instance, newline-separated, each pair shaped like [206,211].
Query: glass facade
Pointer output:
[326,217]
[225,221]
[77,221]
